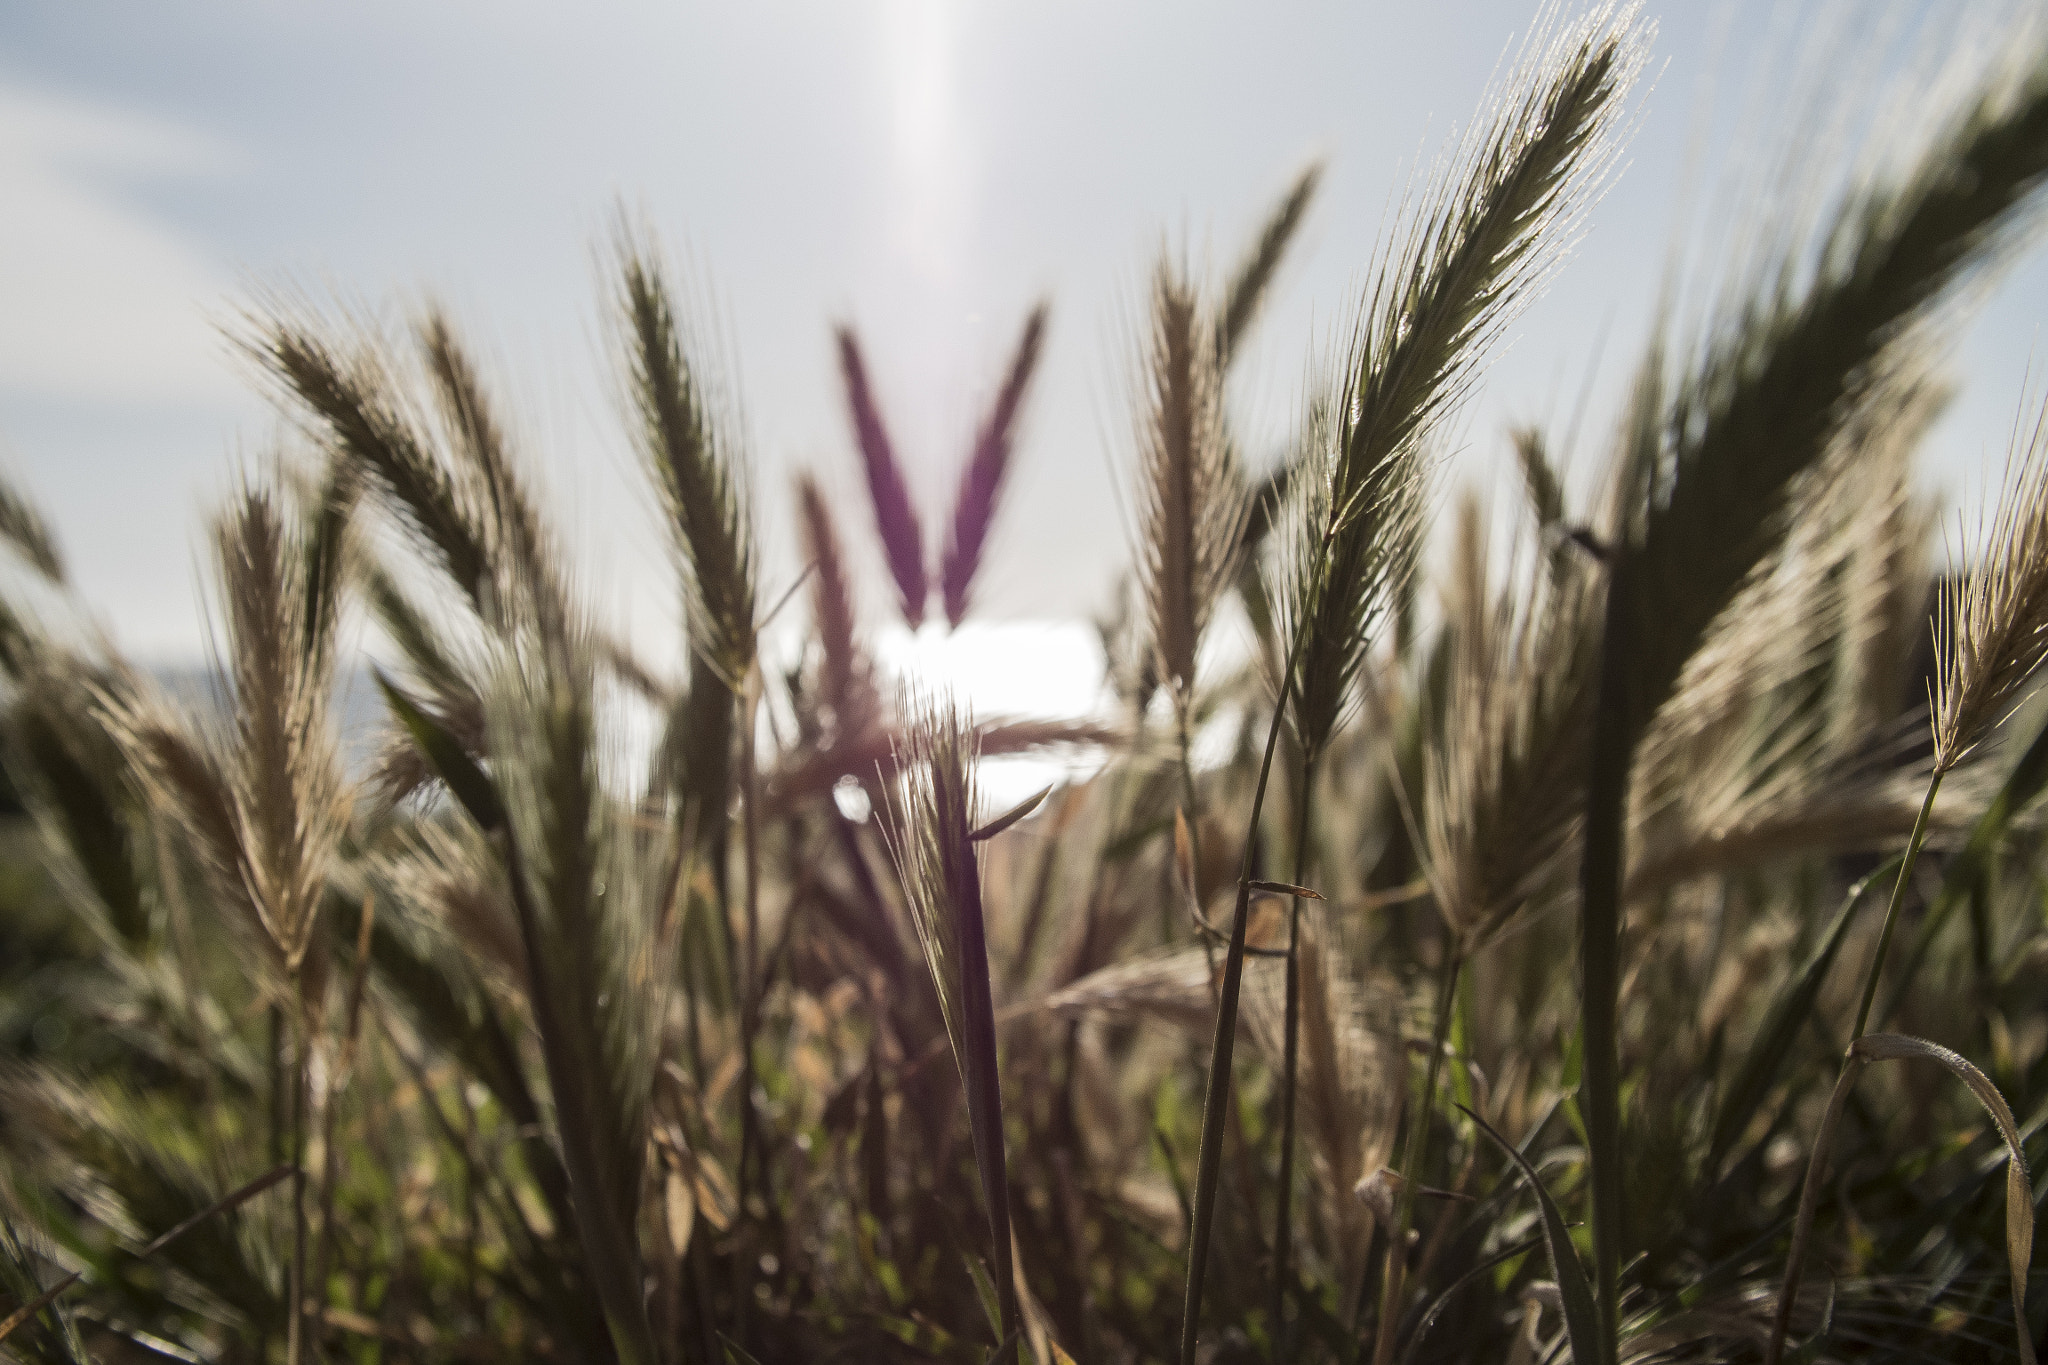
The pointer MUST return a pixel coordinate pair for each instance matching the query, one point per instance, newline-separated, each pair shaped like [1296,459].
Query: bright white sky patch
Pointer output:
[919,68]
[1008,670]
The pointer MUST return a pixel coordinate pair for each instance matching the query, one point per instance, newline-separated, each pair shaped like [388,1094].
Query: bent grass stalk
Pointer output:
[2019,1200]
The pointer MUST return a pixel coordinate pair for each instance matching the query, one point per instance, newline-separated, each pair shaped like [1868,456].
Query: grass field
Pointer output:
[1619,938]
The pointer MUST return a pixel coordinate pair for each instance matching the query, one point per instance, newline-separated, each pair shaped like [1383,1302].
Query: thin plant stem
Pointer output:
[1181,706]
[750,969]
[295,1340]
[330,1155]
[1852,1064]
[749,965]
[1283,1215]
[1602,861]
[1875,971]
[1216,1102]
[1394,1287]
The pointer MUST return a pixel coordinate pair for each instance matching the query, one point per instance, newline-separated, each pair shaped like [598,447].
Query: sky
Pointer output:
[923,170]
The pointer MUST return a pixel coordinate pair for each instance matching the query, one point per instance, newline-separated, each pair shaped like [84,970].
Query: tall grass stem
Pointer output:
[1875,972]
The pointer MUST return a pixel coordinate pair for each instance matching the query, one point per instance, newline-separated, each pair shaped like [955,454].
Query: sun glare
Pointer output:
[1008,670]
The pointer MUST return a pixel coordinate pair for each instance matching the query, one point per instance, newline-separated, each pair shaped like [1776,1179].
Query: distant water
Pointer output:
[361,717]
[1009,669]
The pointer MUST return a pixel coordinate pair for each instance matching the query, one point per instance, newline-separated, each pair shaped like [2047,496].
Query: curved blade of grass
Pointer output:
[449,760]
[1782,1024]
[735,1354]
[1011,816]
[1581,1316]
[1443,1300]
[2019,1203]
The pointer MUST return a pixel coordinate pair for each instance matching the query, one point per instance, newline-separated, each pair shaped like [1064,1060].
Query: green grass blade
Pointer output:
[449,760]
[1581,1316]
[1788,1013]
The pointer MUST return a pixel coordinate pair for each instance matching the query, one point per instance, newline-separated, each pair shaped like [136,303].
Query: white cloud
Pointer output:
[102,302]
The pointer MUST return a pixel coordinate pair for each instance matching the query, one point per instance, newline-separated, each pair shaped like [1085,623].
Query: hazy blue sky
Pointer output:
[923,169]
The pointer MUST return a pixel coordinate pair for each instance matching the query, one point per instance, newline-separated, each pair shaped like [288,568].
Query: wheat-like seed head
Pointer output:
[1831,327]
[988,464]
[849,686]
[1194,505]
[1991,625]
[23,527]
[934,846]
[896,522]
[689,444]
[1505,775]
[932,815]
[290,794]
[352,400]
[264,798]
[525,562]
[1490,227]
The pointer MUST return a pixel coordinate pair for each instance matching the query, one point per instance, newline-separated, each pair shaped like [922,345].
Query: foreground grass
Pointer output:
[1564,903]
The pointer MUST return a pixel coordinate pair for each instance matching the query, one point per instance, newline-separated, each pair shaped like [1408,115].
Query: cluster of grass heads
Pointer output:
[1564,902]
